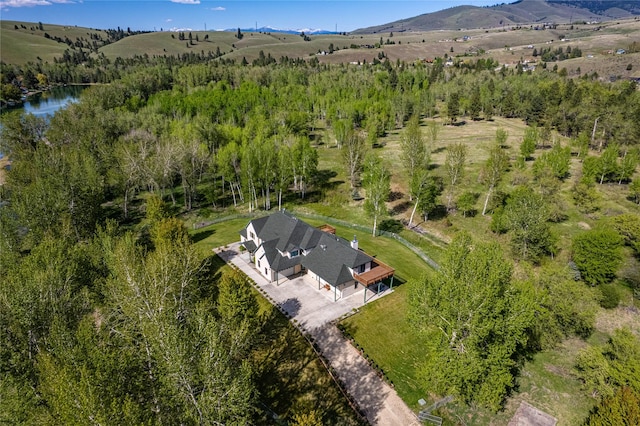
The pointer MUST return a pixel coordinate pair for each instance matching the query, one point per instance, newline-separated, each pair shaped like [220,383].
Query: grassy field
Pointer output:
[383,331]
[21,45]
[598,42]
[18,48]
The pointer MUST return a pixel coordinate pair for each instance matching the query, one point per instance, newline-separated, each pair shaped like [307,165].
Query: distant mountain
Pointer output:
[519,12]
[307,31]
[609,8]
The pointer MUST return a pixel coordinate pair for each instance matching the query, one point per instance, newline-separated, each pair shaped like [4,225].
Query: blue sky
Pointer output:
[198,14]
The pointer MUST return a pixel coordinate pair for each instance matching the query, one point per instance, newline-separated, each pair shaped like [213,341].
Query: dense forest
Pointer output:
[108,313]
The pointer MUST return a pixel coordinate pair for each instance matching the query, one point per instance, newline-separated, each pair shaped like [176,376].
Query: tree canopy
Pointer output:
[474,322]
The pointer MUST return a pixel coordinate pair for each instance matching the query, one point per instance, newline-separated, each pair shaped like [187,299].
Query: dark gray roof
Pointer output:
[328,256]
[259,223]
[289,232]
[249,245]
[283,262]
[331,257]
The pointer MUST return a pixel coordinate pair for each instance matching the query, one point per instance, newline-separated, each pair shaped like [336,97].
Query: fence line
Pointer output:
[363,228]
[327,219]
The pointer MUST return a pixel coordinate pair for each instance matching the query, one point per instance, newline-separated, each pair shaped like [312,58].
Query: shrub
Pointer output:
[610,296]
[597,255]
[621,408]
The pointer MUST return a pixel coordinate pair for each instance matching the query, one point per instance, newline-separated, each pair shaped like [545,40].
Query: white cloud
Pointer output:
[186,1]
[29,3]
[168,20]
[218,9]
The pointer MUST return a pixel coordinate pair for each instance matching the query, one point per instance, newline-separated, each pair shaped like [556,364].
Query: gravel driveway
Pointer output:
[314,310]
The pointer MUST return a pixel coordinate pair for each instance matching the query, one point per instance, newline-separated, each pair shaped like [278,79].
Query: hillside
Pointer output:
[520,12]
[598,43]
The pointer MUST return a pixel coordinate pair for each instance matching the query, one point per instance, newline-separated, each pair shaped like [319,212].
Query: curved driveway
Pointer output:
[314,310]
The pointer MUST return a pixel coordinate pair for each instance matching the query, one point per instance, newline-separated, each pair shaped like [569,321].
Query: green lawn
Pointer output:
[384,333]
[220,234]
[290,376]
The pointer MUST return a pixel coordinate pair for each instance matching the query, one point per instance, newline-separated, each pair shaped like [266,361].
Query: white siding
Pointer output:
[262,264]
[350,288]
[251,231]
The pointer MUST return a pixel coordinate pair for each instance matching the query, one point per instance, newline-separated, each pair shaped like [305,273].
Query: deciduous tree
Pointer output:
[529,142]
[526,215]
[305,162]
[376,182]
[495,167]
[354,150]
[475,323]
[454,167]
[414,150]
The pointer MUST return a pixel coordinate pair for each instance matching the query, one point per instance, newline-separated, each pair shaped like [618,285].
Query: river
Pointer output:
[47,103]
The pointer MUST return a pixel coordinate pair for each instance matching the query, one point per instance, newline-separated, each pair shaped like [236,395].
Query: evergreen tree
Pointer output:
[597,255]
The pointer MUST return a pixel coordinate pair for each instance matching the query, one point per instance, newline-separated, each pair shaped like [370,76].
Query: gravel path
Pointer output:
[380,403]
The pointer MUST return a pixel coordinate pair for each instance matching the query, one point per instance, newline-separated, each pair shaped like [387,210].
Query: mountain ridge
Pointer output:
[267,29]
[508,14]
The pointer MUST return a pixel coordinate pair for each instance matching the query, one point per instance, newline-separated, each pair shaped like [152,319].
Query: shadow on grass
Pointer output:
[199,236]
[391,225]
[440,212]
[395,195]
[401,208]
[292,380]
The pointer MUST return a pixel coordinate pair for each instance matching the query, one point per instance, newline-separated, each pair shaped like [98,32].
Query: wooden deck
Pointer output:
[327,228]
[375,274]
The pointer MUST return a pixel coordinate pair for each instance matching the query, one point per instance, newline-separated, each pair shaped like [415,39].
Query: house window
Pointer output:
[294,253]
[258,263]
[361,269]
[251,235]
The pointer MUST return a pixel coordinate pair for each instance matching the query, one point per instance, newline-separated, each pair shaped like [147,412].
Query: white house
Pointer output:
[281,245]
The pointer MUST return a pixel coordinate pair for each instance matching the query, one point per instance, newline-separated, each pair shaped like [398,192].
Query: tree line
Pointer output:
[236,136]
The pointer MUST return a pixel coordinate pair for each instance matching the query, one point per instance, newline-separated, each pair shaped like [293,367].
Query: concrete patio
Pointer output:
[313,310]
[299,296]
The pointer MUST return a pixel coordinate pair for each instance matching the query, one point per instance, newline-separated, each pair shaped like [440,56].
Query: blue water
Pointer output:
[47,103]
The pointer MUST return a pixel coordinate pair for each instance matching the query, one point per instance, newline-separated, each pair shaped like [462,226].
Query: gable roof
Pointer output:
[289,232]
[331,258]
[327,255]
